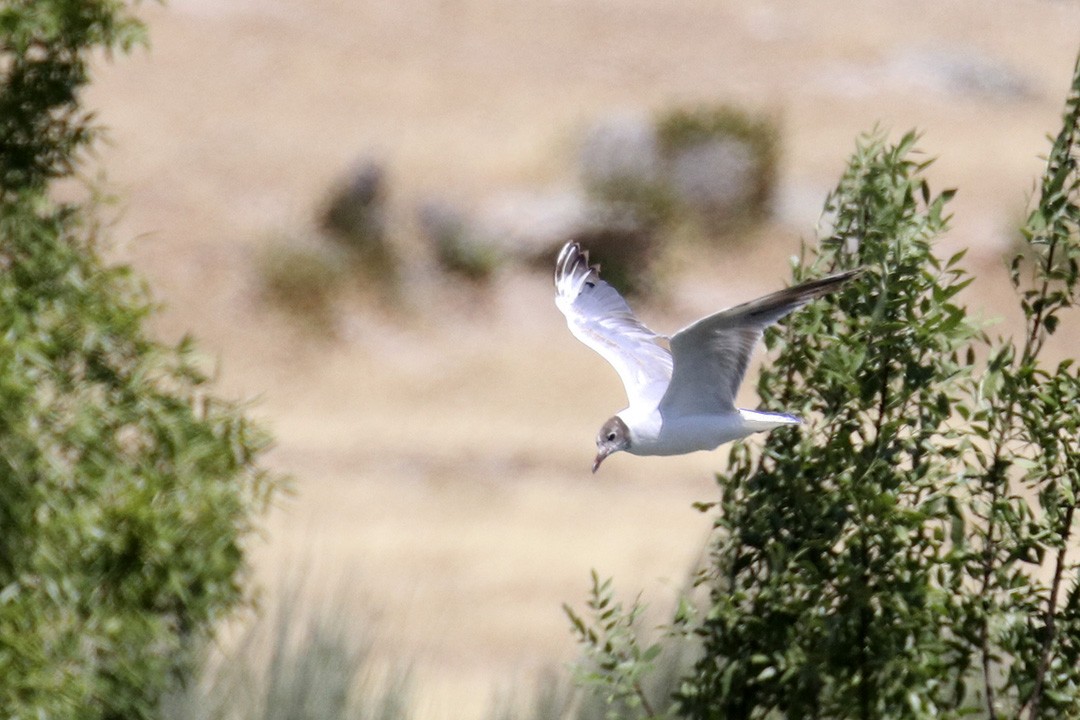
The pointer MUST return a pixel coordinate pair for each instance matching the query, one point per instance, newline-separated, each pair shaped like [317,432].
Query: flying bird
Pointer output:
[682,400]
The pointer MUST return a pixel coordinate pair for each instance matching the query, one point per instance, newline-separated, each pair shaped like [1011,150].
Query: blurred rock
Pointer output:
[721,164]
[440,221]
[457,248]
[954,72]
[966,71]
[621,164]
[355,211]
[530,228]
[715,178]
[620,148]
[526,227]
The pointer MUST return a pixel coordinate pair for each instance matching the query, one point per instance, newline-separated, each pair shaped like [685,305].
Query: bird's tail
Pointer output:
[756,421]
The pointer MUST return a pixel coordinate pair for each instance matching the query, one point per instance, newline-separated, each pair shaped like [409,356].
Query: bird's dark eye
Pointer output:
[611,437]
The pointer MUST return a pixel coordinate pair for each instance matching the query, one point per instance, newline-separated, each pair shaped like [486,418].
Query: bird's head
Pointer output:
[613,437]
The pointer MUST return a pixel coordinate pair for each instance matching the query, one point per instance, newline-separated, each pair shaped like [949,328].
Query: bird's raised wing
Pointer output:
[712,354]
[599,317]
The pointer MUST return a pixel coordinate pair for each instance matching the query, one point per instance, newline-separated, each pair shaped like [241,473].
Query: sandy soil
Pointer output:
[441,450]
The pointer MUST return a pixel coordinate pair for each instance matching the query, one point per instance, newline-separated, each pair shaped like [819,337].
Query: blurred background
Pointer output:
[352,205]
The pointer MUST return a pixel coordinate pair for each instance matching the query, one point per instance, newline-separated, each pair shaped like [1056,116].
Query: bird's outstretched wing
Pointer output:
[712,354]
[599,317]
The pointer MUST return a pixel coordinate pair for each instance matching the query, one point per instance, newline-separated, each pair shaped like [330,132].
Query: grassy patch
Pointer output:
[296,665]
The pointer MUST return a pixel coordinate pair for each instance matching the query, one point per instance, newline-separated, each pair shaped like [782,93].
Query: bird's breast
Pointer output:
[690,434]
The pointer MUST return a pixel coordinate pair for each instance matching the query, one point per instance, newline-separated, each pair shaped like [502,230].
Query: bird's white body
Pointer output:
[652,434]
[682,400]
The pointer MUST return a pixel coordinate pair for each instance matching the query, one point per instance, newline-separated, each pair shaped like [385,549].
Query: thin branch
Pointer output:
[995,472]
[984,595]
[645,705]
[1034,342]
[1051,614]
[865,692]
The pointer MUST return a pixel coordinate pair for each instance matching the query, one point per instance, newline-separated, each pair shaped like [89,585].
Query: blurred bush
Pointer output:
[721,163]
[621,165]
[627,672]
[126,487]
[458,249]
[716,165]
[355,215]
[712,170]
[304,273]
[304,278]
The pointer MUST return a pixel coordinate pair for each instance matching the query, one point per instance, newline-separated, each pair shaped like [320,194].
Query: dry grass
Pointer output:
[442,452]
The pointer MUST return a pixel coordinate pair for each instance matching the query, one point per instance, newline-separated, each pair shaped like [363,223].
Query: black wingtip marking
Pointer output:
[572,257]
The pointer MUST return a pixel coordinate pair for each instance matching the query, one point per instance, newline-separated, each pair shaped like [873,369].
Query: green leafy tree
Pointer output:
[825,600]
[126,487]
[907,552]
[1023,468]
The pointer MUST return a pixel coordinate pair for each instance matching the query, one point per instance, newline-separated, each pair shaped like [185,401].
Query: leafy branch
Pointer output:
[910,550]
[615,660]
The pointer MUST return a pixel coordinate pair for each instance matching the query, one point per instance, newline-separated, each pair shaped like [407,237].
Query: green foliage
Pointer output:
[1024,467]
[126,489]
[44,46]
[832,574]
[909,551]
[615,659]
[630,672]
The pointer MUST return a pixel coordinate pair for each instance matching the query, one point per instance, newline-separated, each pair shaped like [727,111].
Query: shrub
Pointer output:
[721,163]
[621,165]
[635,675]
[633,671]
[126,488]
[457,251]
[907,552]
[44,63]
[708,170]
[302,278]
[355,217]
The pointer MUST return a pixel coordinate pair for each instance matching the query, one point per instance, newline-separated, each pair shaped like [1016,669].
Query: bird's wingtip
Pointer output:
[573,260]
[567,259]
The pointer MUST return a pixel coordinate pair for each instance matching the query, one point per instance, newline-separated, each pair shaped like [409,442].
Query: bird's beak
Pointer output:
[600,455]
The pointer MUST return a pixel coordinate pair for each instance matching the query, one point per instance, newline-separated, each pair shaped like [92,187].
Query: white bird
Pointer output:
[680,401]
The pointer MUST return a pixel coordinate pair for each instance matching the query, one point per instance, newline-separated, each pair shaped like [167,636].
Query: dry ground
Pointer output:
[441,450]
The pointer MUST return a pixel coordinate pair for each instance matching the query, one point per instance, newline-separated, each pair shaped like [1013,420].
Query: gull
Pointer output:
[682,400]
